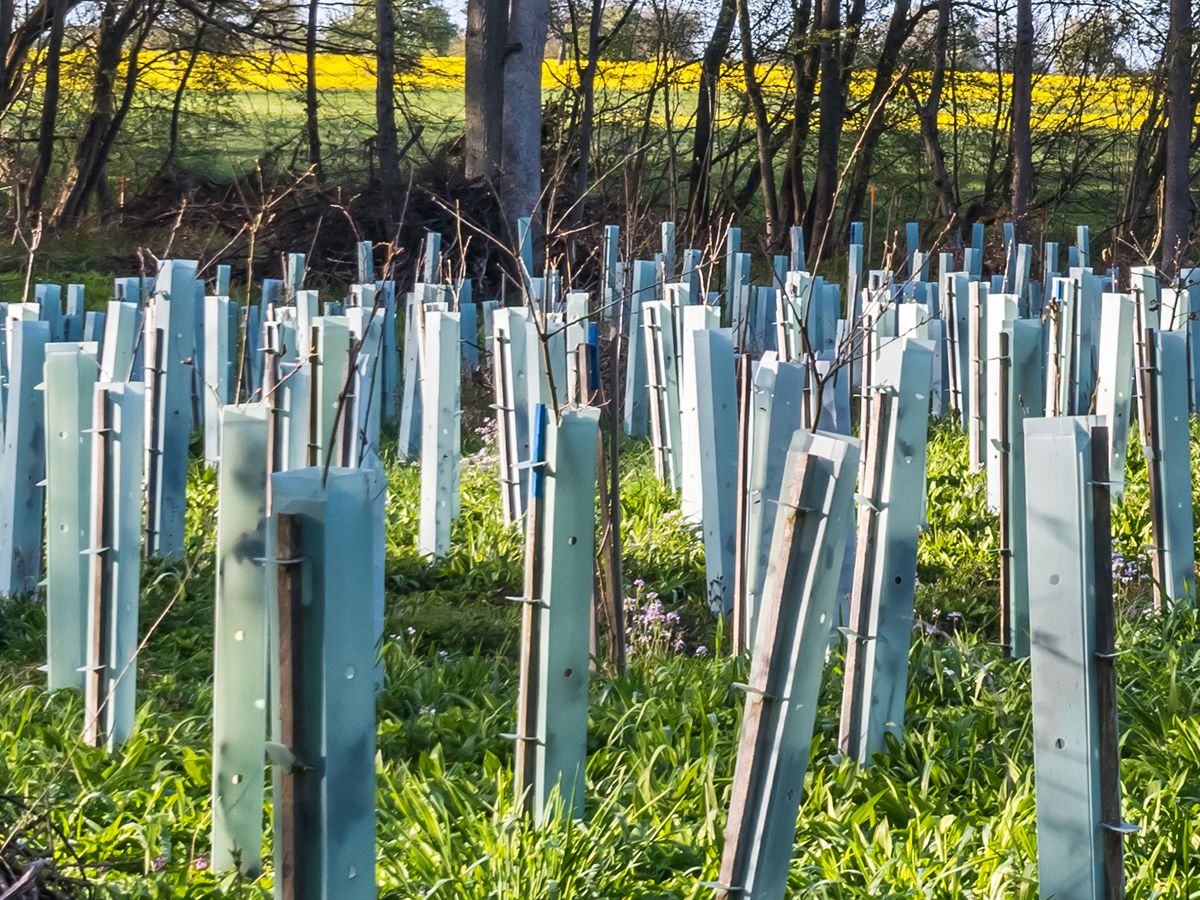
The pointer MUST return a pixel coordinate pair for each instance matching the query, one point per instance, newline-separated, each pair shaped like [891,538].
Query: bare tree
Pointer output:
[831,110]
[56,13]
[387,143]
[1022,106]
[521,185]
[312,123]
[927,114]
[1177,179]
[123,28]
[900,26]
[762,127]
[483,89]
[706,111]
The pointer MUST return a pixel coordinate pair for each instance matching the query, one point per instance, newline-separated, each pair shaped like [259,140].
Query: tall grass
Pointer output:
[949,812]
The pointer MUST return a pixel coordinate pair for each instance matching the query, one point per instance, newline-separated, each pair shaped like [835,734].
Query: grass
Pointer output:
[947,813]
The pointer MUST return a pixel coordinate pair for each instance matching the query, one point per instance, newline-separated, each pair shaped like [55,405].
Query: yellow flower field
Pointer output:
[970,99]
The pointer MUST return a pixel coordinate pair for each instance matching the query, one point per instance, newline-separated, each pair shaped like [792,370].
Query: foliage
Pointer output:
[947,813]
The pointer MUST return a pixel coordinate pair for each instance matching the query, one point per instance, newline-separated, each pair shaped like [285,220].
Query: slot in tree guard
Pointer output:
[696,317]
[114,579]
[799,609]
[956,306]
[119,343]
[440,433]
[220,342]
[1022,381]
[512,408]
[1166,447]
[776,398]
[410,398]
[1000,310]
[170,343]
[1075,754]
[555,654]
[323,586]
[240,642]
[662,374]
[71,372]
[1114,383]
[891,500]
[977,301]
[636,415]
[330,382]
[23,462]
[546,362]
[712,373]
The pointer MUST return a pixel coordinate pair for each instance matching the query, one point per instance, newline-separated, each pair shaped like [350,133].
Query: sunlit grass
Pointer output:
[947,813]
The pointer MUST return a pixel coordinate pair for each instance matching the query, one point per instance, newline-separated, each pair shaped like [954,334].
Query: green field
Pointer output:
[947,813]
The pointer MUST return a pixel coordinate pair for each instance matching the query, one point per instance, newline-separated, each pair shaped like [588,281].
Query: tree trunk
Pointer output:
[706,110]
[311,121]
[859,180]
[386,142]
[928,115]
[49,118]
[829,128]
[804,63]
[6,35]
[483,88]
[587,119]
[105,119]
[1022,136]
[762,128]
[1176,181]
[181,91]
[528,21]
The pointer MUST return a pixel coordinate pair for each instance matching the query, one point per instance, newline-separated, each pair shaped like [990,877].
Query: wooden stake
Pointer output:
[1148,394]
[1106,670]
[291,686]
[525,771]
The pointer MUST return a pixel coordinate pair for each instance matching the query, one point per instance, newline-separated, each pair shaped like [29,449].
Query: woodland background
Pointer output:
[243,129]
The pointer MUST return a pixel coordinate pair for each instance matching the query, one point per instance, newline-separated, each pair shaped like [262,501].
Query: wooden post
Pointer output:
[323,678]
[1105,657]
[741,564]
[799,607]
[525,770]
[292,868]
[1148,414]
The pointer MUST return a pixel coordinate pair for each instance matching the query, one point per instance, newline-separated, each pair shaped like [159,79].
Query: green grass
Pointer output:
[947,813]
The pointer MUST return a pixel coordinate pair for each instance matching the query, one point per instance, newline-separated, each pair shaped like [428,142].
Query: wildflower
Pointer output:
[410,631]
[200,863]
[158,864]
[444,654]
[639,583]
[701,651]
